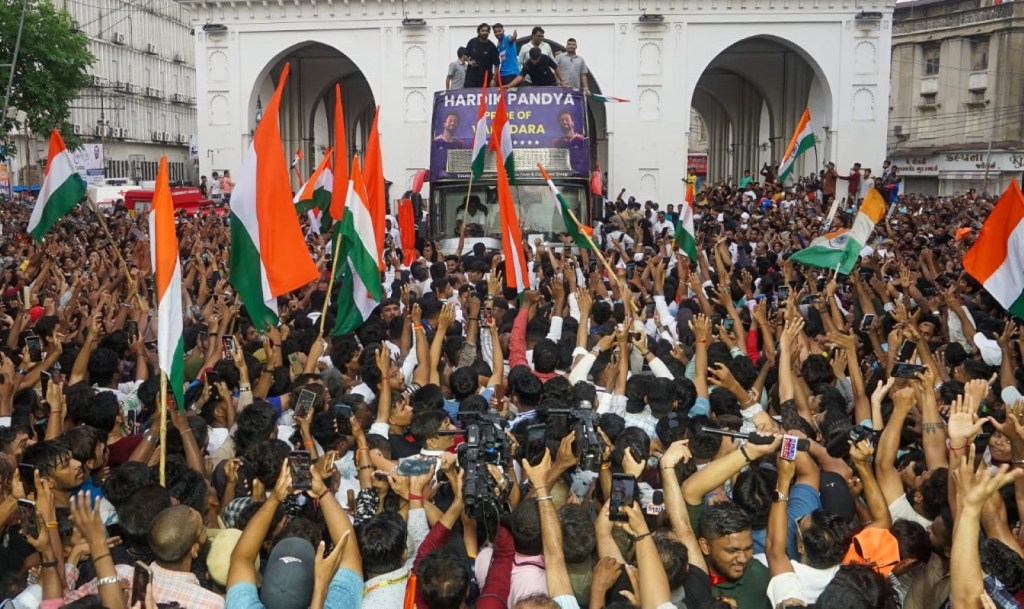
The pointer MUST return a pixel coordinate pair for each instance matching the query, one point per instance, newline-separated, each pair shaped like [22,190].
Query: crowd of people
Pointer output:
[731,431]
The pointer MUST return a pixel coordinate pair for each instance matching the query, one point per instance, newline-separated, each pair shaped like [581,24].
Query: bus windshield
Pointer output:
[537,212]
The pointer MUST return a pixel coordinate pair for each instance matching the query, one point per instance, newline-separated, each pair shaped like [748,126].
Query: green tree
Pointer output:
[51,67]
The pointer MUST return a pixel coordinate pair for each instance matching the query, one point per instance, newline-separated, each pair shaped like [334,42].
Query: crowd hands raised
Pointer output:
[468,447]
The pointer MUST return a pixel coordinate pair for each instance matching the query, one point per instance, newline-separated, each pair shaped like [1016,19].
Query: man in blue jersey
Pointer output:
[508,55]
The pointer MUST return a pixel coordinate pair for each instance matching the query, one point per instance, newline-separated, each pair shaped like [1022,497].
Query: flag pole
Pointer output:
[465,208]
[117,252]
[336,246]
[600,256]
[163,429]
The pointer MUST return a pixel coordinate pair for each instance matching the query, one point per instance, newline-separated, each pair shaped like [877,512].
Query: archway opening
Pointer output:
[750,97]
[307,105]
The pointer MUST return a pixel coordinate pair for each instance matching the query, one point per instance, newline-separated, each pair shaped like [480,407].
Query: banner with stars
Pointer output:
[545,122]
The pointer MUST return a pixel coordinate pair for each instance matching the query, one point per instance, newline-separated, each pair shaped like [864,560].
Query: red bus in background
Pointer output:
[187,199]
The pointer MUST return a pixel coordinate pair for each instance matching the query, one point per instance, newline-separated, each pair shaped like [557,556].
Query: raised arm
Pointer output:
[551,530]
[675,506]
[885,458]
[860,454]
[719,470]
[973,490]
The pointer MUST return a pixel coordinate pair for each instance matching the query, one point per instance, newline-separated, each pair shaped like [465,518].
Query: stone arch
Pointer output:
[771,79]
[307,106]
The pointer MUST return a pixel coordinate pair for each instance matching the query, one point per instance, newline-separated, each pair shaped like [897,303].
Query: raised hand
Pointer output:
[964,422]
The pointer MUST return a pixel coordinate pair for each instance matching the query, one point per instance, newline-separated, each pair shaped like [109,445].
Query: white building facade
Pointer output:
[141,104]
[748,67]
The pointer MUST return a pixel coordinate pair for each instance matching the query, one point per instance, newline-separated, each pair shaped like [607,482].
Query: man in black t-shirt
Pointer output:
[483,58]
[542,70]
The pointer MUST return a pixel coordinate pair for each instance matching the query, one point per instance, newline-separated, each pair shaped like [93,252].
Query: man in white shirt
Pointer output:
[536,41]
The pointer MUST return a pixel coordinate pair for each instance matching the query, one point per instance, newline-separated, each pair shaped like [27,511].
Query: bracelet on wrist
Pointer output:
[641,537]
[743,451]
[413,497]
[546,498]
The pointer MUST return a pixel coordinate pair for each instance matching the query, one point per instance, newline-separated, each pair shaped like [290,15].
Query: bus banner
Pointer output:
[550,122]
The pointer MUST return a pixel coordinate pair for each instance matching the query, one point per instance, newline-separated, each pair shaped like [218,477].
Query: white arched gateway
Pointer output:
[747,67]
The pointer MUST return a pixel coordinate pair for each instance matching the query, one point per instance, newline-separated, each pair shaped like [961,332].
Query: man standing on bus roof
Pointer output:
[573,67]
[507,56]
[536,42]
[541,69]
[457,71]
[483,57]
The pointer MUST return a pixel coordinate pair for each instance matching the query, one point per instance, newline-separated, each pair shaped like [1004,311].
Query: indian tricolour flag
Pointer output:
[269,257]
[607,99]
[316,192]
[62,189]
[578,232]
[996,259]
[685,237]
[841,248]
[163,248]
[480,135]
[511,236]
[361,289]
[801,142]
[501,137]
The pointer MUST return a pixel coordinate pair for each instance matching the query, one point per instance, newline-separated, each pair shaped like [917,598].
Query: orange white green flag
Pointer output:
[269,257]
[361,290]
[62,189]
[840,249]
[686,236]
[996,259]
[511,236]
[163,248]
[801,142]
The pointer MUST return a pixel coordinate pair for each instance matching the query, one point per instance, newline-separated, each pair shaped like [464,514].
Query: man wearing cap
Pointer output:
[177,536]
[293,578]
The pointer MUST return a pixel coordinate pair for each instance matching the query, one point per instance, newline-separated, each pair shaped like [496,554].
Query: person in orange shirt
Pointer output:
[226,186]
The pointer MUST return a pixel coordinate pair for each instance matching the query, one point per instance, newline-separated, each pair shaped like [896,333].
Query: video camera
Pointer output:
[583,420]
[485,444]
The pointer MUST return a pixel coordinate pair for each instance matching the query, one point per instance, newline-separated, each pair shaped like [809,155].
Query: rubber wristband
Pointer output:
[100,557]
[106,581]
[546,498]
[415,497]
[640,538]
[743,451]
[48,565]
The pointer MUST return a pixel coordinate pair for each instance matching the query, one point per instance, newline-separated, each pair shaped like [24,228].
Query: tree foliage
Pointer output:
[51,69]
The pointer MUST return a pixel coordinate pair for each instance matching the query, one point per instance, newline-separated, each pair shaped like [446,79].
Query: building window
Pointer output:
[931,60]
[978,96]
[928,99]
[979,55]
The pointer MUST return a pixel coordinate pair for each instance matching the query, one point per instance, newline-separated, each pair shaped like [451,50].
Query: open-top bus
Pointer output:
[548,126]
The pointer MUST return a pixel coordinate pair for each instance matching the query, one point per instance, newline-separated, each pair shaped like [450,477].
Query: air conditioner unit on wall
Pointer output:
[151,48]
[76,129]
[179,57]
[182,138]
[119,38]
